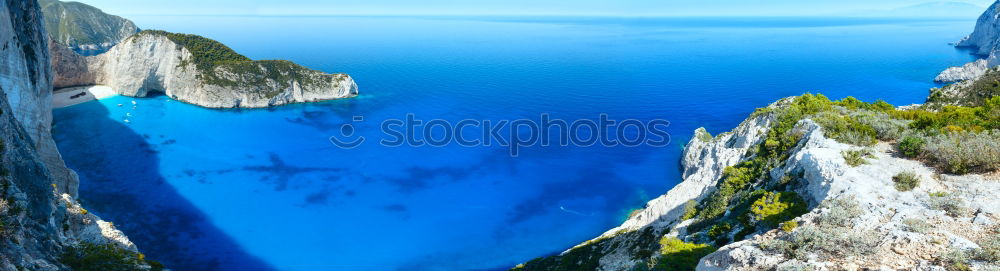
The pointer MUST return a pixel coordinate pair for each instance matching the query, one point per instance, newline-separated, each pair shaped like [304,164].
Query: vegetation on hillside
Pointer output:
[955,139]
[967,93]
[74,23]
[106,257]
[220,65]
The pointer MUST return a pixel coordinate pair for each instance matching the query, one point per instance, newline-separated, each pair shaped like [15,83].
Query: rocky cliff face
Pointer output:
[152,61]
[985,41]
[84,28]
[40,221]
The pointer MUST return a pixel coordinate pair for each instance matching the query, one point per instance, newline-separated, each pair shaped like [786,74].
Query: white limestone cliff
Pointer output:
[39,215]
[150,62]
[969,71]
[984,40]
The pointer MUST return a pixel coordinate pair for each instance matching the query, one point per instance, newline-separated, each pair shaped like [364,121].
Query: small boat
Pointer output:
[119,105]
[128,114]
[127,121]
[133,102]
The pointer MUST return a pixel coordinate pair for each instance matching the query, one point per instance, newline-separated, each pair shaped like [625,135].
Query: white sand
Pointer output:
[64,97]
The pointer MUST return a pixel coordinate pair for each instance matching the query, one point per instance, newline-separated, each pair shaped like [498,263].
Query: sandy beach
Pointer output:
[77,95]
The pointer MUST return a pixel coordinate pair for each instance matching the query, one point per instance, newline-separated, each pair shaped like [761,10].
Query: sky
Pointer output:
[507,7]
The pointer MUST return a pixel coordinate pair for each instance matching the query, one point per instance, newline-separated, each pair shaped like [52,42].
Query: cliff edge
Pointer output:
[199,71]
[42,226]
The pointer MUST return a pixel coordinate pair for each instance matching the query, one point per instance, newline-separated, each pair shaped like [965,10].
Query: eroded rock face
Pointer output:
[40,217]
[985,40]
[149,62]
[970,71]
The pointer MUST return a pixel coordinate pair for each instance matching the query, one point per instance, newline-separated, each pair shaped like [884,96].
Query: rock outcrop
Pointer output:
[157,61]
[969,71]
[40,221]
[83,28]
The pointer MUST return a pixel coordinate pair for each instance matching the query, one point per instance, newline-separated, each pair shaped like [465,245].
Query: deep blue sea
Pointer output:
[203,189]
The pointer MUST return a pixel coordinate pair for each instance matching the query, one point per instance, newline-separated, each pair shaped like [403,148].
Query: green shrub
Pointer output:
[857,157]
[789,226]
[906,181]
[704,136]
[676,255]
[690,210]
[107,257]
[733,180]
[845,129]
[963,152]
[886,127]
[719,230]
[774,208]
[911,146]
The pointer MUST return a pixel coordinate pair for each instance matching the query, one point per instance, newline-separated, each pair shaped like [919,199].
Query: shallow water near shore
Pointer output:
[264,189]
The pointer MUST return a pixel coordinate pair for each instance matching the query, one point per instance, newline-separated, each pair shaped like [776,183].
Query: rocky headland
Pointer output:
[197,70]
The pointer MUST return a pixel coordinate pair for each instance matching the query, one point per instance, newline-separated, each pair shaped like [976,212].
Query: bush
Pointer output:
[676,255]
[107,257]
[857,157]
[906,181]
[845,129]
[690,210]
[832,237]
[789,226]
[886,127]
[774,208]
[963,152]
[719,230]
[911,146]
[827,241]
[841,211]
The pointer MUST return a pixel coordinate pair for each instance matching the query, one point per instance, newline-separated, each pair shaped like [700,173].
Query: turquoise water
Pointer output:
[203,189]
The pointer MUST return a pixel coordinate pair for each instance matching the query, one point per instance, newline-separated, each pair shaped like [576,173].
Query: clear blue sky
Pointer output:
[509,7]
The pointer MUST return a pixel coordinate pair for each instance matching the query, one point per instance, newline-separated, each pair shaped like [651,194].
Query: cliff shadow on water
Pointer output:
[123,170]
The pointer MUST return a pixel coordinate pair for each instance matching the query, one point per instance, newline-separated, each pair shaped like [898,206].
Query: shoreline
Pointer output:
[71,96]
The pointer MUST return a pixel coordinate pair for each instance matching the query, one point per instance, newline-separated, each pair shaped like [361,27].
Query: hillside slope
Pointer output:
[84,28]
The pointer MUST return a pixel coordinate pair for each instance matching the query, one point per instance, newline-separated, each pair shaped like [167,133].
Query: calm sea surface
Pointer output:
[265,190]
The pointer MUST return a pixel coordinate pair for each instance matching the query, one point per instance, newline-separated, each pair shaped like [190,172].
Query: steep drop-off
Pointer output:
[42,227]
